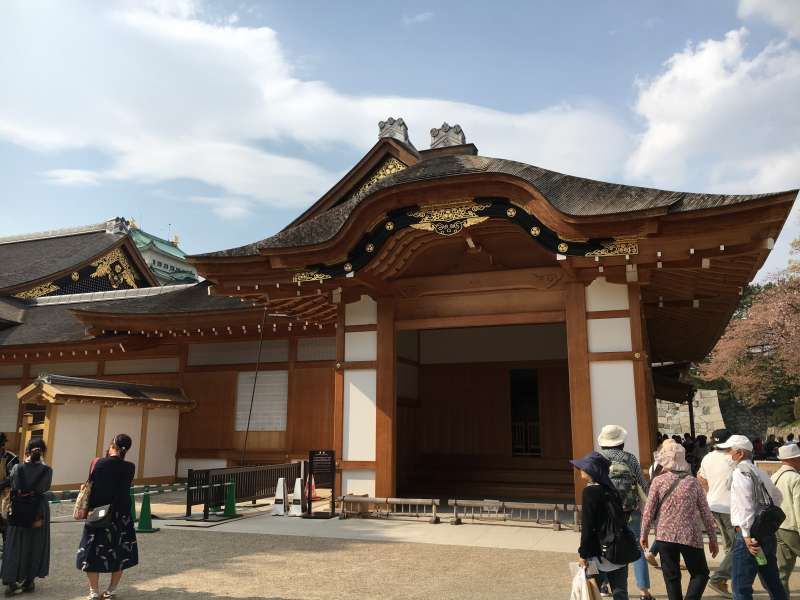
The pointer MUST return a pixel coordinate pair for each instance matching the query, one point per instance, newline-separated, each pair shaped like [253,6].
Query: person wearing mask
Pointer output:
[26,554]
[787,480]
[751,556]
[110,549]
[674,504]
[626,474]
[598,498]
[715,477]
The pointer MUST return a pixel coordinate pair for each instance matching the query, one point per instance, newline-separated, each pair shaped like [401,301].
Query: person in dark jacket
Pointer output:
[598,495]
[26,555]
[110,549]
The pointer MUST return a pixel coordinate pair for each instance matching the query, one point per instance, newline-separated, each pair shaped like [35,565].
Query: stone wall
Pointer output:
[674,418]
[752,422]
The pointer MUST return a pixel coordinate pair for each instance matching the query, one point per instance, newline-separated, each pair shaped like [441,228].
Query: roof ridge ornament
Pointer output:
[394,128]
[446,136]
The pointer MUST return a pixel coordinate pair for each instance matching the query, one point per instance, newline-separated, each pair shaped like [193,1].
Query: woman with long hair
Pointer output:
[110,547]
[26,554]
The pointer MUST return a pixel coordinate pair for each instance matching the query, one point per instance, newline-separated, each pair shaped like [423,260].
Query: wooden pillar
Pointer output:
[386,403]
[580,399]
[337,423]
[645,403]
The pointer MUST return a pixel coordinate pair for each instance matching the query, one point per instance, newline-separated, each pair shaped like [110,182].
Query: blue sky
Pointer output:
[220,121]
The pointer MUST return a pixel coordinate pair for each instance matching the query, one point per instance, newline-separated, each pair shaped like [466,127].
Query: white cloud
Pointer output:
[226,207]
[166,95]
[417,18]
[781,13]
[71,177]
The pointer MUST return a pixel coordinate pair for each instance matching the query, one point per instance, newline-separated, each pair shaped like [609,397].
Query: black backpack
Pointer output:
[618,543]
[26,506]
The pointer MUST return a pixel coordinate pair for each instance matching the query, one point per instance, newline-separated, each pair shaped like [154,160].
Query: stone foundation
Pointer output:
[673,419]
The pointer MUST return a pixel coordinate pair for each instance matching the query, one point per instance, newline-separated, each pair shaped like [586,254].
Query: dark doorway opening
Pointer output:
[525,426]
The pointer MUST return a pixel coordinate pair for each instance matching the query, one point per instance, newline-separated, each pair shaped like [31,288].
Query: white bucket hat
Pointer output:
[789,451]
[612,435]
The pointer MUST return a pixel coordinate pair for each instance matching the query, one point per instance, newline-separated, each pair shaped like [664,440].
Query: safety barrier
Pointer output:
[207,486]
[419,508]
[526,512]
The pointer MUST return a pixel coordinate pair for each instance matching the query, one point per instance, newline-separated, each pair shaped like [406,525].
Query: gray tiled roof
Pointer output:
[576,196]
[31,260]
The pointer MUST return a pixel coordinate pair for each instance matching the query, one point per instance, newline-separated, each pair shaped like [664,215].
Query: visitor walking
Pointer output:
[715,477]
[674,504]
[109,547]
[754,552]
[787,480]
[626,475]
[601,506]
[26,554]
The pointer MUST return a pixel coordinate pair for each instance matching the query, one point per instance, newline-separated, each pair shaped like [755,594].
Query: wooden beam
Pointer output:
[554,316]
[386,403]
[612,356]
[337,422]
[607,314]
[646,429]
[580,398]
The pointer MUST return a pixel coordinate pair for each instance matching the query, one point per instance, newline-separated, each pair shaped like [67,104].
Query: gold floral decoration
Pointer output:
[116,268]
[449,219]
[511,212]
[370,248]
[617,247]
[562,247]
[75,276]
[536,231]
[38,291]
[309,276]
[388,167]
[389,226]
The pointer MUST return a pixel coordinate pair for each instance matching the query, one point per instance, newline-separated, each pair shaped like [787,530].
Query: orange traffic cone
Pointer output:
[313,491]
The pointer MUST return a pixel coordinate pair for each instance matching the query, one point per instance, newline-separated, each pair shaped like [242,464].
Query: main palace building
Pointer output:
[450,324]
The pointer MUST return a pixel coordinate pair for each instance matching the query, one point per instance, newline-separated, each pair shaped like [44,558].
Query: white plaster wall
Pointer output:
[9,408]
[360,345]
[124,419]
[162,443]
[609,335]
[358,482]
[9,371]
[614,399]
[493,344]
[184,464]
[359,414]
[363,312]
[315,348]
[142,365]
[602,295]
[229,353]
[64,368]
[75,443]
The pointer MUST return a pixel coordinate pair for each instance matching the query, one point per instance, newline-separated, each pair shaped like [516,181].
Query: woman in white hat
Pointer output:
[787,480]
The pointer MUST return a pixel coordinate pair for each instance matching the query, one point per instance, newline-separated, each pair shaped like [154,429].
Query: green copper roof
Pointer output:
[143,239]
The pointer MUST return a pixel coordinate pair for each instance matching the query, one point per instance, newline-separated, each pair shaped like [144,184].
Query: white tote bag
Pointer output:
[582,588]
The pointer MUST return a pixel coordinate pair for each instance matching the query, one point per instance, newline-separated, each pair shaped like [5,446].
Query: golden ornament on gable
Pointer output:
[562,247]
[449,219]
[40,290]
[116,268]
[617,247]
[309,276]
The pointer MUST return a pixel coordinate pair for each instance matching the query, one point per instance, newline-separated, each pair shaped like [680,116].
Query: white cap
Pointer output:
[737,442]
[789,451]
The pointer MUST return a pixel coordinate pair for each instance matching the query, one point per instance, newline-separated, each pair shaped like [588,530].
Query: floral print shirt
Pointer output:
[681,516]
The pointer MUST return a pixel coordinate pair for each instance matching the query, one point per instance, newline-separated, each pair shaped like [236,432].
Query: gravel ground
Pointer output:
[203,565]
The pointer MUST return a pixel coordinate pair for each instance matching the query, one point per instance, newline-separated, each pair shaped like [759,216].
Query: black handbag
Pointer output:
[768,517]
[618,543]
[100,517]
[26,505]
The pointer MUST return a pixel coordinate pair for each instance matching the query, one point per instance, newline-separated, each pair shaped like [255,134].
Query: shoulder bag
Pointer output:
[769,516]
[82,501]
[26,510]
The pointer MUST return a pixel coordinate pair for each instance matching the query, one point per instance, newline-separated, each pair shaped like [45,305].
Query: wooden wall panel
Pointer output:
[554,412]
[210,424]
[311,409]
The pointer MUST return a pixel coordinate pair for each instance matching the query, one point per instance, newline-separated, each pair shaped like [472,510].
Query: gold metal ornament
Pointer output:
[389,226]
[38,291]
[348,267]
[116,268]
[562,247]
[388,167]
[370,248]
[535,231]
[511,212]
[617,247]
[309,276]
[449,219]
[75,276]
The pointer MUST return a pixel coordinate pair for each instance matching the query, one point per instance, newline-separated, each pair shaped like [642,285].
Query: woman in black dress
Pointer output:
[110,549]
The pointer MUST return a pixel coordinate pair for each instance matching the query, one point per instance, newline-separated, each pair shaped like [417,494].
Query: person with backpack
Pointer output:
[626,475]
[674,503]
[787,480]
[26,555]
[607,545]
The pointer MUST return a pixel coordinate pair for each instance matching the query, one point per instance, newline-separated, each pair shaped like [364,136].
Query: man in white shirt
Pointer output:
[715,477]
[787,480]
[747,550]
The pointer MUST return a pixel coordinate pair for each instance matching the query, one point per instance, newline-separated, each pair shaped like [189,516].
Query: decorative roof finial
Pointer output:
[447,136]
[394,128]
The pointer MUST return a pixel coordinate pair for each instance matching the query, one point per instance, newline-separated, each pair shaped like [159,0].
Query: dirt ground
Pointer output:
[204,565]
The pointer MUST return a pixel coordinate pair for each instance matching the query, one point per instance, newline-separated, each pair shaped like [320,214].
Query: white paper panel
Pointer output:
[323,348]
[602,295]
[64,368]
[142,365]
[360,345]
[609,335]
[231,353]
[359,414]
[363,312]
[9,408]
[614,399]
[269,404]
